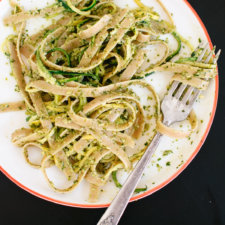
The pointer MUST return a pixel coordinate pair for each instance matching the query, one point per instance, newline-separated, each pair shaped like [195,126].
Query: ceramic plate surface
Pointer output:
[158,173]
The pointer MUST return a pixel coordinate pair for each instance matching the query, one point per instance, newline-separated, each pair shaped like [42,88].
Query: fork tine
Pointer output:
[173,87]
[199,46]
[180,91]
[210,56]
[187,94]
[217,57]
[206,46]
[194,97]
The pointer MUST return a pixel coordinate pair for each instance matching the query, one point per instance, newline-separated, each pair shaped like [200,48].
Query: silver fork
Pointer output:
[174,109]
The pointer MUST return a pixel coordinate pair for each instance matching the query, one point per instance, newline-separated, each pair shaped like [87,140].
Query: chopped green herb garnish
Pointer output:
[28,118]
[167,152]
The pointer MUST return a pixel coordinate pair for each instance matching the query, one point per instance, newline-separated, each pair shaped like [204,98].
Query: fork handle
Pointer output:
[114,212]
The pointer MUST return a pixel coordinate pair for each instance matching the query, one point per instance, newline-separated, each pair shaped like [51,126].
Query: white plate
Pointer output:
[13,165]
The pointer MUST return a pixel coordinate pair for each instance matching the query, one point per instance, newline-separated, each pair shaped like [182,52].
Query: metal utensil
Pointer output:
[176,106]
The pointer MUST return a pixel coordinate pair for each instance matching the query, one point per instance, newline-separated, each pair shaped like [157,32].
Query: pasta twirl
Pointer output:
[78,78]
